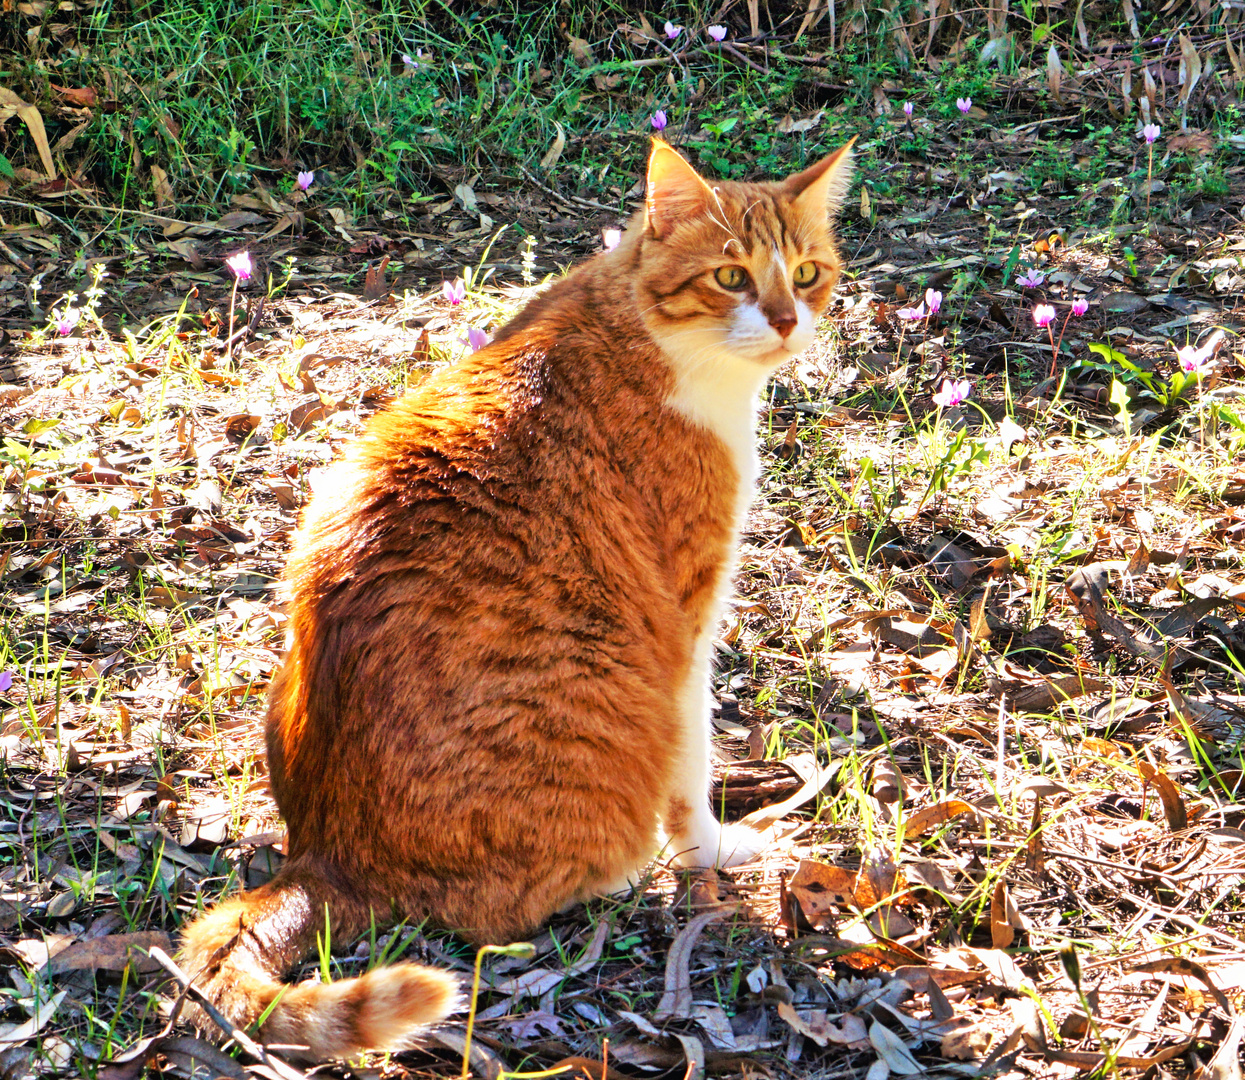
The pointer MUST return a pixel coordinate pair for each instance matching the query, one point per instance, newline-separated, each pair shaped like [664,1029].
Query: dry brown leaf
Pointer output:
[112,953]
[843,1030]
[12,105]
[1054,73]
[814,778]
[581,52]
[555,148]
[887,785]
[1190,68]
[677,999]
[238,219]
[1179,965]
[374,286]
[1173,803]
[932,816]
[240,425]
[820,888]
[891,1049]
[582,1068]
[161,187]
[302,417]
[1035,855]
[1002,913]
[966,1043]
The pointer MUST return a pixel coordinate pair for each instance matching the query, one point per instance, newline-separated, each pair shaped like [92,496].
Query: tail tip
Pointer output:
[381,1010]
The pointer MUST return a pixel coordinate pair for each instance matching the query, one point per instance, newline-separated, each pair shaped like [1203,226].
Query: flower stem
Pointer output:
[1149,174]
[229,340]
[1056,346]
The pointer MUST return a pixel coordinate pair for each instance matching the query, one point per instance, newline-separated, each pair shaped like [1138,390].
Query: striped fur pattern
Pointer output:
[495,701]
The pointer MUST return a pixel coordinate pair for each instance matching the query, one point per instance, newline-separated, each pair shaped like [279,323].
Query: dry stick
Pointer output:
[287,1072]
[16,258]
[1076,856]
[727,47]
[571,201]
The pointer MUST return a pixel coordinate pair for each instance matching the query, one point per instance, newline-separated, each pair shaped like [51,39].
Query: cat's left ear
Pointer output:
[823,187]
[675,190]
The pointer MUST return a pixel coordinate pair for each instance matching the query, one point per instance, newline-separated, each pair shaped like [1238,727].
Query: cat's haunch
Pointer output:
[503,601]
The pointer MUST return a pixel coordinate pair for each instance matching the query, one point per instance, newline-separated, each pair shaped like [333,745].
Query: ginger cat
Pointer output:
[504,596]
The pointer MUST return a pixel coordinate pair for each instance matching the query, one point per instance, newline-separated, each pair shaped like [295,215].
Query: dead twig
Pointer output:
[278,1067]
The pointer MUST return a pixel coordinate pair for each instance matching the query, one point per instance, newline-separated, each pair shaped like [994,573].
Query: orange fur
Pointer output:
[503,600]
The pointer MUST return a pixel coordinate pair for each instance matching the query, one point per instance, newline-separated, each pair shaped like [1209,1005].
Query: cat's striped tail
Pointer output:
[238,952]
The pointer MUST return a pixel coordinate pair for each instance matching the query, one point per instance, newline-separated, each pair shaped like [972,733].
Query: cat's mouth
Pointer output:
[753,336]
[772,349]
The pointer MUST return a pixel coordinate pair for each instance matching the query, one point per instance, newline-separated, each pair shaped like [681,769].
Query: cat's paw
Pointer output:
[741,844]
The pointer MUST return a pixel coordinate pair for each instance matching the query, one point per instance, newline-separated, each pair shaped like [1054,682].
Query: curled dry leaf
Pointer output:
[891,1049]
[1190,68]
[677,1000]
[240,425]
[555,148]
[845,1030]
[19,1033]
[1054,73]
[814,778]
[966,1043]
[886,783]
[303,417]
[1178,965]
[1004,918]
[1173,803]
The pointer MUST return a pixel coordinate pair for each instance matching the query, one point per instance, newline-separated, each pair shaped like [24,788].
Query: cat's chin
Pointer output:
[770,358]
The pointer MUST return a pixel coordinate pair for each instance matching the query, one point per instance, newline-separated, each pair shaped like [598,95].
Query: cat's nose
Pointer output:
[784,324]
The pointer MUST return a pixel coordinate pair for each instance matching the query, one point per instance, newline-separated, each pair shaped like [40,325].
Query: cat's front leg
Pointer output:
[707,842]
[695,837]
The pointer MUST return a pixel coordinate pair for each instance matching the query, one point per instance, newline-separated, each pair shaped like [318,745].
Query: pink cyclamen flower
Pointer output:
[953,393]
[672,31]
[410,63]
[305,180]
[6,680]
[611,238]
[1079,306]
[964,104]
[1151,132]
[240,264]
[454,291]
[908,108]
[1194,359]
[67,320]
[1044,314]
[659,120]
[716,32]
[933,300]
[911,314]
[476,339]
[1031,279]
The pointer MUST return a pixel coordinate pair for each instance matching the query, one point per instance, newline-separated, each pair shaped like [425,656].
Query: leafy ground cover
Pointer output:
[987,659]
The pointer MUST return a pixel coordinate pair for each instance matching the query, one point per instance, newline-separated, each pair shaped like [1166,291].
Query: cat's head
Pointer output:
[736,269]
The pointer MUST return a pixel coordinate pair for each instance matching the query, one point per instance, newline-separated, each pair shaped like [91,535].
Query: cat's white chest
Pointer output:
[721,395]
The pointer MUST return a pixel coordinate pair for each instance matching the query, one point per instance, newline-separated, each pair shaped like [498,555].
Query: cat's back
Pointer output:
[547,462]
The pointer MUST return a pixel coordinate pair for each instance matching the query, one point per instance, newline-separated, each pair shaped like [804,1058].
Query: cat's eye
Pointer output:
[805,274]
[731,277]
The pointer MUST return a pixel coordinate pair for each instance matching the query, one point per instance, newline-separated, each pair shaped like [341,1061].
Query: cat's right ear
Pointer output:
[822,188]
[675,191]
